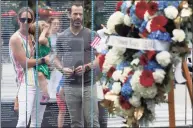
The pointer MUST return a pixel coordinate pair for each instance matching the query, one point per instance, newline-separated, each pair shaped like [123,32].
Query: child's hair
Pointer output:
[32,29]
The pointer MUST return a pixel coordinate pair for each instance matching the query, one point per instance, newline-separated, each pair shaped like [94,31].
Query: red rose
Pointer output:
[150,54]
[146,78]
[101,61]
[124,103]
[143,60]
[152,8]
[141,8]
[105,90]
[158,23]
[118,7]
[110,72]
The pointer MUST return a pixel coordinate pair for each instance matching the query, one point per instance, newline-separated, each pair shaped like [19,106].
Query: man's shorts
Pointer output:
[61,103]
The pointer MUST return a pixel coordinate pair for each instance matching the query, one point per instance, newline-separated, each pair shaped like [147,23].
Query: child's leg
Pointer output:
[43,86]
[43,83]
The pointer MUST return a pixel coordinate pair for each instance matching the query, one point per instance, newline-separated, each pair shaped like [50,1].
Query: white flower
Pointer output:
[171,12]
[179,35]
[135,62]
[127,20]
[163,58]
[159,75]
[148,26]
[135,100]
[117,75]
[149,92]
[116,18]
[186,12]
[116,88]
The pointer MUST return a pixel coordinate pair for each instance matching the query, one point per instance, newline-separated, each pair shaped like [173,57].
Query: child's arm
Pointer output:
[43,39]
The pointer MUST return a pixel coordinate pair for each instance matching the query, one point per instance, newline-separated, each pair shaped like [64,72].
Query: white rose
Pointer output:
[135,100]
[148,26]
[116,88]
[163,58]
[135,80]
[171,12]
[149,92]
[135,62]
[179,35]
[159,75]
[117,75]
[114,19]
[127,20]
[186,12]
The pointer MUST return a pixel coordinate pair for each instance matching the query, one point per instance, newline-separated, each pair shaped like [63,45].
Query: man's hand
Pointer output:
[79,70]
[47,59]
[67,72]
[82,69]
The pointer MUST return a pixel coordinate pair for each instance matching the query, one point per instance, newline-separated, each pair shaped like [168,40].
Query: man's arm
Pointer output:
[20,54]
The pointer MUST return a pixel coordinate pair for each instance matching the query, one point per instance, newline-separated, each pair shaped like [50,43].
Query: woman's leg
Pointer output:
[37,110]
[25,106]
[44,87]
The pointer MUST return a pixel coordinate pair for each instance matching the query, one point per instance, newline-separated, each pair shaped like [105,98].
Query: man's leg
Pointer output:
[73,98]
[88,104]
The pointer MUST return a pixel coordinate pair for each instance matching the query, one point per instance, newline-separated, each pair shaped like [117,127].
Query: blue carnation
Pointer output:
[152,66]
[124,7]
[164,4]
[122,65]
[164,36]
[143,26]
[126,90]
[132,10]
[136,21]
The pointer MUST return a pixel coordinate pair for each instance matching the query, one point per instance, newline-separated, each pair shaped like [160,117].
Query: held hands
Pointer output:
[67,72]
[82,69]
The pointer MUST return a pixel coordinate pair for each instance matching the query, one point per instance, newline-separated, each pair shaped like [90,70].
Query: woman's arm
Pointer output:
[20,54]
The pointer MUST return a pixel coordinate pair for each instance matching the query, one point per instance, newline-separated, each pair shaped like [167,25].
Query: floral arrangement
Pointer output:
[135,80]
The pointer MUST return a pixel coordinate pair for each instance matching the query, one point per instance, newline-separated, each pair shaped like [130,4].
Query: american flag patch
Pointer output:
[95,42]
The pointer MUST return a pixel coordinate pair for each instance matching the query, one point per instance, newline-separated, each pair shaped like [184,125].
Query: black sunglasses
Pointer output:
[23,20]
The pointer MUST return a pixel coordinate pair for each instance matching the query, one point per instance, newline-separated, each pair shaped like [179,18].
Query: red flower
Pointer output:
[152,8]
[146,78]
[101,61]
[141,8]
[118,7]
[143,60]
[145,33]
[158,23]
[110,72]
[150,54]
[105,90]
[124,103]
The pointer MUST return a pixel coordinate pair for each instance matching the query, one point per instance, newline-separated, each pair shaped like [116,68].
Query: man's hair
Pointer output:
[75,3]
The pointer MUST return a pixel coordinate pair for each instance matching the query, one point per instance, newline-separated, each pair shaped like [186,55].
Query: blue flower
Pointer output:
[143,26]
[152,65]
[124,7]
[122,65]
[164,36]
[132,10]
[126,90]
[164,4]
[136,21]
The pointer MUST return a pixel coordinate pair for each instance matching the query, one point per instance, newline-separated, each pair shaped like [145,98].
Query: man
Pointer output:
[74,60]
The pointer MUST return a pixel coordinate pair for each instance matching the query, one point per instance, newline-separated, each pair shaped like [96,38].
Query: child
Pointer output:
[44,48]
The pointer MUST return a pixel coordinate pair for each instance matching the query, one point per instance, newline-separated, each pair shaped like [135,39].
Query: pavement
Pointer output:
[183,107]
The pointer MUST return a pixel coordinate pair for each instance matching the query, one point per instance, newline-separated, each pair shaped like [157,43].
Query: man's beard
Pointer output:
[76,23]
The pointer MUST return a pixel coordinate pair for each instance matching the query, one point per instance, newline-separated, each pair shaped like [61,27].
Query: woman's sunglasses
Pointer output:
[23,20]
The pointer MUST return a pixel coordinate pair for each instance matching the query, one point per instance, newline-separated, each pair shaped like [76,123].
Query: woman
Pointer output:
[21,46]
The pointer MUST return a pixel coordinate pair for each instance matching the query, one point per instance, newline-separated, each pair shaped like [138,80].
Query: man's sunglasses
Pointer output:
[23,20]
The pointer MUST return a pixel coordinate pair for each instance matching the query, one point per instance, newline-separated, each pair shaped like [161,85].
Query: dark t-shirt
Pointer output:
[75,50]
